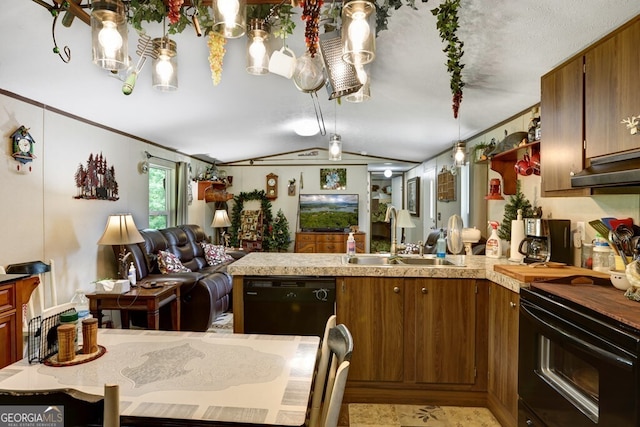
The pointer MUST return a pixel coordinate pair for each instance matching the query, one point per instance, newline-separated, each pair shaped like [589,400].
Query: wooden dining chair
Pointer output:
[330,382]
[320,377]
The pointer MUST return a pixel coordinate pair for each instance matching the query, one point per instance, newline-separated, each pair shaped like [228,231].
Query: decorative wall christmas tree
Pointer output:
[517,201]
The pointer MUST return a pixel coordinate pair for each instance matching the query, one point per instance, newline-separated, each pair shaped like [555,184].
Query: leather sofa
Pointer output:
[205,292]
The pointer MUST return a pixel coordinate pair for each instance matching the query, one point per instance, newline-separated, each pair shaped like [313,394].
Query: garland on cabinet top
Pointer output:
[198,14]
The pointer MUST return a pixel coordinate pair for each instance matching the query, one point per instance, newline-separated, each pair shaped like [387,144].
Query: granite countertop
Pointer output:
[300,264]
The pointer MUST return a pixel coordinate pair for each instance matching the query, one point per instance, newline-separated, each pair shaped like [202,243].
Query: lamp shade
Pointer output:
[358,32]
[109,34]
[229,18]
[335,148]
[120,230]
[257,48]
[404,219]
[165,65]
[220,219]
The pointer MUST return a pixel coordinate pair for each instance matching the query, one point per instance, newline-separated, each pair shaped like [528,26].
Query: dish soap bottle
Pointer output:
[493,246]
[441,245]
[132,275]
[351,245]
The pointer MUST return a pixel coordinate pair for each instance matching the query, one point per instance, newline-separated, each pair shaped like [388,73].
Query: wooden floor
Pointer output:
[411,415]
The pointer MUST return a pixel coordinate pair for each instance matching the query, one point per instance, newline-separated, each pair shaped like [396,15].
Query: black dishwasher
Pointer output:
[288,305]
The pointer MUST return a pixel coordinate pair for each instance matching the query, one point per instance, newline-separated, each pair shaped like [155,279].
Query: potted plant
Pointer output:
[479,151]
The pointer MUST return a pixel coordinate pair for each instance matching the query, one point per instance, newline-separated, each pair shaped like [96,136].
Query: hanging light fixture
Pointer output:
[257,52]
[109,34]
[165,65]
[364,93]
[358,32]
[335,148]
[459,153]
[229,17]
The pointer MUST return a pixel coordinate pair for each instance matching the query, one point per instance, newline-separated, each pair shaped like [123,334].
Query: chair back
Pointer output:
[2,270]
[331,378]
[46,295]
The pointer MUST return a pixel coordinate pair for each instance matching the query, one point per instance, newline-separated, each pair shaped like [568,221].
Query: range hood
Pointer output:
[618,170]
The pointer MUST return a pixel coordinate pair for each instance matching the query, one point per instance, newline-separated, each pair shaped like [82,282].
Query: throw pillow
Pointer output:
[215,254]
[169,263]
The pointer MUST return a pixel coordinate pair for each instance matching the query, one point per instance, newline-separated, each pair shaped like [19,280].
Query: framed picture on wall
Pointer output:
[333,179]
[413,196]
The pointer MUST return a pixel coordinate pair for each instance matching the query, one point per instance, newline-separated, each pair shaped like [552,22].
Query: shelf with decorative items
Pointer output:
[505,163]
[213,191]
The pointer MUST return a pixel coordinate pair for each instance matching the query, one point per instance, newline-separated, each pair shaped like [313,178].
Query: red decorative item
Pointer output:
[174,10]
[495,193]
[311,14]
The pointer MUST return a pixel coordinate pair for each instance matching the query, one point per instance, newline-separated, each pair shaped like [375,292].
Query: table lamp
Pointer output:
[404,221]
[221,220]
[121,230]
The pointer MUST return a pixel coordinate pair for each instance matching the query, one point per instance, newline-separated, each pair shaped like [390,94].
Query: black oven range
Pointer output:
[579,355]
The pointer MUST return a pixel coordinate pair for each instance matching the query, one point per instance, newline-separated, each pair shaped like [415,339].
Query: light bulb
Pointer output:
[388,173]
[335,149]
[359,30]
[257,50]
[109,38]
[459,155]
[164,69]
[229,9]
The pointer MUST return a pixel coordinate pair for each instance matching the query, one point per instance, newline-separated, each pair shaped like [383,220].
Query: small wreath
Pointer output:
[267,217]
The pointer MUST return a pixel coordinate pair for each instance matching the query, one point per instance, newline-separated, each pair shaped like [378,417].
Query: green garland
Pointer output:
[267,217]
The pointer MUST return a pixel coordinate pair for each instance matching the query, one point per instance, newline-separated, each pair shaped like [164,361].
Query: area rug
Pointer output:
[223,324]
[423,415]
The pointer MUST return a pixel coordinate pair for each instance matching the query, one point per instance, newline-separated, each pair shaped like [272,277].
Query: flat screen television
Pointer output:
[328,212]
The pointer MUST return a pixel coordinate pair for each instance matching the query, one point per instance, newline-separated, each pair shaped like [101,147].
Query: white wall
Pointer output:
[42,220]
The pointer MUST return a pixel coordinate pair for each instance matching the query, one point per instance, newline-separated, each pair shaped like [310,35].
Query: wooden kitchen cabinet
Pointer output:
[414,338]
[15,291]
[503,354]
[561,148]
[612,92]
[326,242]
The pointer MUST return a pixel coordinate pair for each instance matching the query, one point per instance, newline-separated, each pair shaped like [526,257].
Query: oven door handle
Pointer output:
[612,358]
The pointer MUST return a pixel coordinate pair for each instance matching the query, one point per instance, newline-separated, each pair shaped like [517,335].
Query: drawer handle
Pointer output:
[396,289]
[512,304]
[423,290]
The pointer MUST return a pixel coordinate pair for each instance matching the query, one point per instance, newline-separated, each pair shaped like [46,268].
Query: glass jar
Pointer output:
[587,256]
[603,258]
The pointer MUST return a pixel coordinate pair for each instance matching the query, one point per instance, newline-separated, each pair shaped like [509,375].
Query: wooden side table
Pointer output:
[139,299]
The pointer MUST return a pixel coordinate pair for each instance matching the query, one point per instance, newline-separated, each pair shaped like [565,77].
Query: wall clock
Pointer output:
[22,147]
[272,186]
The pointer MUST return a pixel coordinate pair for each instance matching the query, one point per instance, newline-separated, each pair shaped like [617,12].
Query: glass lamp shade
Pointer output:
[164,76]
[335,148]
[229,18]
[120,230]
[459,155]
[358,32]
[109,35]
[257,48]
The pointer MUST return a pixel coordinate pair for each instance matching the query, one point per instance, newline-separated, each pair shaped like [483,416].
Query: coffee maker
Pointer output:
[547,240]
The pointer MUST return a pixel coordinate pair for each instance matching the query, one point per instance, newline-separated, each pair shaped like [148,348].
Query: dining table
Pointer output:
[186,378]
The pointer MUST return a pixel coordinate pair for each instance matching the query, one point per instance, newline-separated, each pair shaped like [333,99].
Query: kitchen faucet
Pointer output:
[391,217]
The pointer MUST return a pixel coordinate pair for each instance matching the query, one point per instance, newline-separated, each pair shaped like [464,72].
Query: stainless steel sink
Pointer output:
[372,260]
[424,261]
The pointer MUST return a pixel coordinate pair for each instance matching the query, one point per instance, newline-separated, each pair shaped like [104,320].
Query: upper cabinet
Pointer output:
[612,92]
[561,148]
[583,102]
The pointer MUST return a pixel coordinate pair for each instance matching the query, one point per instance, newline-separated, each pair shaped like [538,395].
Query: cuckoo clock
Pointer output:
[22,146]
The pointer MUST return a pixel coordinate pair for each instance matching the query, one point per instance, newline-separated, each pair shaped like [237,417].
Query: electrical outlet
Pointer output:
[581,230]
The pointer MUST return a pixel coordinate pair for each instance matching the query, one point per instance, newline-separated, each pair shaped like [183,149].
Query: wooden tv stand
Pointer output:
[327,242]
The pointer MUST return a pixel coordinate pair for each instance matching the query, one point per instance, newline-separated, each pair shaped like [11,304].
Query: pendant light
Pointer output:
[229,18]
[335,141]
[358,32]
[109,34]
[165,65]
[257,51]
[364,93]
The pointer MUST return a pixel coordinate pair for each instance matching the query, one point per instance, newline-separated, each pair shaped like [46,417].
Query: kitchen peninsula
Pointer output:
[445,334]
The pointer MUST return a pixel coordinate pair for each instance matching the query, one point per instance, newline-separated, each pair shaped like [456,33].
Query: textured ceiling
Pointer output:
[508,46]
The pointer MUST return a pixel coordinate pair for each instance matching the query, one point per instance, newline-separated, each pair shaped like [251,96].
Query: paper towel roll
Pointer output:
[517,236]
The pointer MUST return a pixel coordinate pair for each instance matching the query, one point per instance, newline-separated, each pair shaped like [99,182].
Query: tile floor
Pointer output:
[366,415]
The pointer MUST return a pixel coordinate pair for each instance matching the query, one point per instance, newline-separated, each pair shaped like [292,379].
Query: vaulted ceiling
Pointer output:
[509,45]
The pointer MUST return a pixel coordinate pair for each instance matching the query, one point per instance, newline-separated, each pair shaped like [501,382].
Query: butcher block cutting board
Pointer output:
[526,274]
